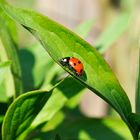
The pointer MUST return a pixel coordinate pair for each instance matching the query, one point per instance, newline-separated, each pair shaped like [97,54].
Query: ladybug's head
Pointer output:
[64,61]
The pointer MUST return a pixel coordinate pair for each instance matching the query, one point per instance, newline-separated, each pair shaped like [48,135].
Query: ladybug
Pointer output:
[73,64]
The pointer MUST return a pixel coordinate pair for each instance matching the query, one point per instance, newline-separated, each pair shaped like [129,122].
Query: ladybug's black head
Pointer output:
[65,61]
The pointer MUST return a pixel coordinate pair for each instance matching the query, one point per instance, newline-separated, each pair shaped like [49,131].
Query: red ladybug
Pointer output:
[73,64]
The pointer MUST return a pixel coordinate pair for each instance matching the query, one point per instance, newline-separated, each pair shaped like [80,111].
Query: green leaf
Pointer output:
[4,67]
[60,42]
[9,52]
[135,122]
[112,32]
[137,98]
[22,112]
[84,28]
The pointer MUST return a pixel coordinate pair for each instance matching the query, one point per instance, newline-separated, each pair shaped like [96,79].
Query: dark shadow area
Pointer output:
[3,109]
[84,76]
[55,79]
[70,87]
[27,61]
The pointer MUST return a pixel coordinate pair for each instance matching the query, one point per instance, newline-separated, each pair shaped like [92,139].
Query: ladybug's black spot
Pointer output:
[81,71]
[74,64]
[79,62]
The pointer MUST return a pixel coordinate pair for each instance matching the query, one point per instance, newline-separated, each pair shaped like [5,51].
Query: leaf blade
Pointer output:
[55,37]
[21,113]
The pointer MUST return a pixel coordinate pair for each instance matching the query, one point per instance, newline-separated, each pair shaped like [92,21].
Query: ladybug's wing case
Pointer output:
[79,69]
[76,65]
